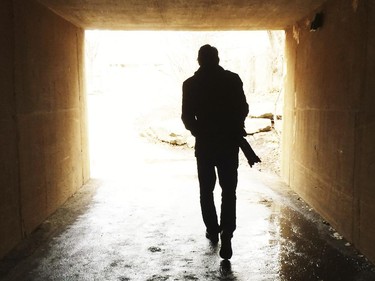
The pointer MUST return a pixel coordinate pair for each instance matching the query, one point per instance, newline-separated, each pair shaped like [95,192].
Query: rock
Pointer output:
[170,131]
[256,125]
[265,115]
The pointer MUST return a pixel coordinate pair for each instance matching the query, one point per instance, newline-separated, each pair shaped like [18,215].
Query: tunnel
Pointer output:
[328,151]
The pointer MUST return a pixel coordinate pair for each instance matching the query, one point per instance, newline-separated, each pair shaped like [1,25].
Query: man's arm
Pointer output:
[242,103]
[239,102]
[188,110]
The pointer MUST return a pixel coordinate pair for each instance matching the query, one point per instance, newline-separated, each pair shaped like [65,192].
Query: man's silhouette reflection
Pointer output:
[214,108]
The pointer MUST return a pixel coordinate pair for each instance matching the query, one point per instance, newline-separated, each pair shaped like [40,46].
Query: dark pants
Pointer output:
[226,164]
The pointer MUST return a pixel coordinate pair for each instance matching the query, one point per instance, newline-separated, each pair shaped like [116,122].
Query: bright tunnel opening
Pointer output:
[134,79]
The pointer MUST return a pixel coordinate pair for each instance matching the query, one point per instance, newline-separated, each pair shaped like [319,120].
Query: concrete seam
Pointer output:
[294,114]
[79,74]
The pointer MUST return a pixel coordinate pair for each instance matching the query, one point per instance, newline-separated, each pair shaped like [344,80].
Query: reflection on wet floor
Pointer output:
[145,224]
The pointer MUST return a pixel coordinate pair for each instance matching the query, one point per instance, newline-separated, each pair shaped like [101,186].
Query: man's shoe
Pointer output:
[226,248]
[213,237]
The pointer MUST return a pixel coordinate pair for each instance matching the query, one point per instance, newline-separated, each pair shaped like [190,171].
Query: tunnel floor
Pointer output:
[143,222]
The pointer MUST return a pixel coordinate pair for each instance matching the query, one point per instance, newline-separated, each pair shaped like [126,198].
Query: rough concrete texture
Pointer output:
[48,92]
[144,223]
[42,121]
[328,119]
[10,226]
[365,149]
[183,15]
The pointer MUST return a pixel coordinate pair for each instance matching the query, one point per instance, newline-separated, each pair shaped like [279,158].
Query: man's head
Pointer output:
[208,56]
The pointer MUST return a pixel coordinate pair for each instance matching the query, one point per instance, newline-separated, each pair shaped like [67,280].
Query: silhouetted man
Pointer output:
[214,108]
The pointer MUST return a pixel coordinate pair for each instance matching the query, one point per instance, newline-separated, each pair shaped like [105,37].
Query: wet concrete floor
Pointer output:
[142,221]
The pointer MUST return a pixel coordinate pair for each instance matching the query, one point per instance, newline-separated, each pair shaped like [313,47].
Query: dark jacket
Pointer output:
[214,105]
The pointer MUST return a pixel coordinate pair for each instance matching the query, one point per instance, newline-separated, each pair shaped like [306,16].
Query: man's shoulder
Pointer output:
[231,74]
[191,78]
[232,78]
[190,81]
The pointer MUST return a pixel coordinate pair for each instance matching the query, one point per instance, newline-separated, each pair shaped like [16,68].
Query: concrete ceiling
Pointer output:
[183,14]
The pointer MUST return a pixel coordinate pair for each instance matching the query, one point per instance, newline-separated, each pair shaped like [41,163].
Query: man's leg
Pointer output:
[228,178]
[207,180]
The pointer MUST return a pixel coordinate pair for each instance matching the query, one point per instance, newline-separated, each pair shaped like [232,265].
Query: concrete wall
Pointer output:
[10,224]
[329,121]
[44,148]
[364,181]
